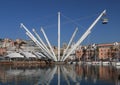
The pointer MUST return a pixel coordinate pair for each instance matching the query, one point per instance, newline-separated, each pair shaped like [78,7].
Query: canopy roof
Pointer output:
[15,55]
[28,55]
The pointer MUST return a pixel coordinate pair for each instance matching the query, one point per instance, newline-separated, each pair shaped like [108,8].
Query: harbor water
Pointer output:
[68,74]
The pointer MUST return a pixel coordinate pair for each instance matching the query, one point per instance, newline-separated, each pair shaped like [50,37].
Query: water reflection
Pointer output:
[59,75]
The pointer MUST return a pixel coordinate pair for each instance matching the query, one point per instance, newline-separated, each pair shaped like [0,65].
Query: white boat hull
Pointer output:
[88,63]
[97,63]
[105,63]
[117,63]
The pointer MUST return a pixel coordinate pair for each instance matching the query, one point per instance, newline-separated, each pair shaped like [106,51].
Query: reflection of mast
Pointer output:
[64,74]
[58,75]
[47,76]
[71,74]
[50,74]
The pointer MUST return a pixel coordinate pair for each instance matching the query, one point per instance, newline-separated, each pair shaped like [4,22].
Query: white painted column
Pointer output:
[58,36]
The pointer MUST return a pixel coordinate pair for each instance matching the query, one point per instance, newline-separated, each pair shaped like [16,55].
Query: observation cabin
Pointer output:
[104,19]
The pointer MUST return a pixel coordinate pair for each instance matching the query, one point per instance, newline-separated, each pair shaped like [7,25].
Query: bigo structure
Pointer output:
[49,52]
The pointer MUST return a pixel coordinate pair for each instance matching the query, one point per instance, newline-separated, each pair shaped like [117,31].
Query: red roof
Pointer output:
[111,44]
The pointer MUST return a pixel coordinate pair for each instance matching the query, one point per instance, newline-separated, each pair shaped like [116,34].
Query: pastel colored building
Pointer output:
[102,51]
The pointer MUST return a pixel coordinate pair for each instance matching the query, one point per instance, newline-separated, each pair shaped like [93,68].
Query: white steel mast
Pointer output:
[35,40]
[49,44]
[58,36]
[69,43]
[41,40]
[88,31]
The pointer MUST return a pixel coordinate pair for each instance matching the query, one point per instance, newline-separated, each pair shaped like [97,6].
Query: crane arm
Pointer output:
[88,31]
[69,43]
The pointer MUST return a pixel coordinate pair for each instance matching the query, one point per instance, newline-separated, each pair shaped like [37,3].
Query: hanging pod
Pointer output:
[104,20]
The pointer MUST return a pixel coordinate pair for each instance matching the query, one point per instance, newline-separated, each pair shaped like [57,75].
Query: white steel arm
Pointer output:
[41,40]
[69,43]
[37,44]
[49,44]
[35,40]
[85,35]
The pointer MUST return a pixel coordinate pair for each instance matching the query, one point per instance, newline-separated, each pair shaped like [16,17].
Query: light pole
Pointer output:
[116,44]
[94,47]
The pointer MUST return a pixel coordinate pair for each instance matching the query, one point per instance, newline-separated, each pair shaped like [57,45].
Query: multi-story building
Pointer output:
[102,51]
[105,51]
[79,53]
[2,49]
[85,52]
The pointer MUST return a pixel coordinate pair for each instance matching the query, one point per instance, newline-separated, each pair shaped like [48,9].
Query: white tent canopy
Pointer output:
[28,55]
[15,55]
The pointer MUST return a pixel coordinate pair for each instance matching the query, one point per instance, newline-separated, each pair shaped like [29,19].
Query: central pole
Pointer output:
[58,36]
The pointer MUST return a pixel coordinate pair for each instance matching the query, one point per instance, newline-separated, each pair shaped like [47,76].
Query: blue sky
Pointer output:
[74,13]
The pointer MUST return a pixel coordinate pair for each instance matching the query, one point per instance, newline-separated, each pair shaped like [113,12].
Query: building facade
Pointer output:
[101,51]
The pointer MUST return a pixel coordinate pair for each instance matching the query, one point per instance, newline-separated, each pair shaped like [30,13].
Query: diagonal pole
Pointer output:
[39,38]
[88,31]
[49,44]
[37,44]
[34,39]
[69,43]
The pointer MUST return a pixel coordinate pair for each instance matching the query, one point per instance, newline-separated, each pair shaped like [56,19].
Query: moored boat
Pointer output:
[106,63]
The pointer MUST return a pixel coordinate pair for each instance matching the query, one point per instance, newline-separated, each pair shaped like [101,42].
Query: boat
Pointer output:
[88,62]
[117,63]
[97,63]
[106,63]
